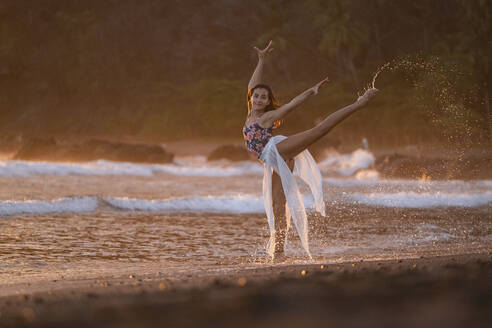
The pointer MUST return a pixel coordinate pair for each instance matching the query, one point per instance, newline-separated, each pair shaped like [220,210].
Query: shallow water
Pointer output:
[82,225]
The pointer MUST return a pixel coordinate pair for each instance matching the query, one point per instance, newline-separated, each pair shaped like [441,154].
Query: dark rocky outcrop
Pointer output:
[9,143]
[137,153]
[36,148]
[230,152]
[94,149]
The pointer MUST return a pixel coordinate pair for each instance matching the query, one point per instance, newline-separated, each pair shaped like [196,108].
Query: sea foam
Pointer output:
[102,167]
[236,204]
[407,185]
[208,204]
[423,200]
[345,165]
[348,164]
[62,205]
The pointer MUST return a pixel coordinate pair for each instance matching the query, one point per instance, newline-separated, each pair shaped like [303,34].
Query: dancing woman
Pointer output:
[281,155]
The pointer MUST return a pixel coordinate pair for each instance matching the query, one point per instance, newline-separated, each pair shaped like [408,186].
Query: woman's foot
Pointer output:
[364,99]
[279,258]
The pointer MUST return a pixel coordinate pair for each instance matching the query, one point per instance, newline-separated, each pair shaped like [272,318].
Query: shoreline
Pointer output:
[149,291]
[182,278]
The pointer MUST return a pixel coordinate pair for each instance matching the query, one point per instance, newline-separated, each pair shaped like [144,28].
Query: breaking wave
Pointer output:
[62,205]
[423,200]
[102,167]
[237,204]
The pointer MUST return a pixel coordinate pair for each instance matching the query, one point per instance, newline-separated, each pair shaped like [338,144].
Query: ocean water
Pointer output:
[82,220]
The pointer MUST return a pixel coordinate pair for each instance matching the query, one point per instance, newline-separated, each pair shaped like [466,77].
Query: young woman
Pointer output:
[281,155]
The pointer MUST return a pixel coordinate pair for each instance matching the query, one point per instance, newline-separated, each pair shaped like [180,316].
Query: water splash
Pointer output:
[445,96]
[380,69]
[373,84]
[441,92]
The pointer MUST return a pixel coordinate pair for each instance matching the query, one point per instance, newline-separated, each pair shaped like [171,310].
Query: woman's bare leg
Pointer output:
[280,220]
[279,214]
[293,145]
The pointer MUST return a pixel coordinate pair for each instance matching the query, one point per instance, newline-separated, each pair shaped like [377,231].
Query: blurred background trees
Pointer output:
[166,70]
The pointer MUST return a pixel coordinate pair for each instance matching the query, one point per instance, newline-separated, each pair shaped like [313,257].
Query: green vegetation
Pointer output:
[166,70]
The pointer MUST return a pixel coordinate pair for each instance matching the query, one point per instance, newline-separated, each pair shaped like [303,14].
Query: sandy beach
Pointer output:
[449,291]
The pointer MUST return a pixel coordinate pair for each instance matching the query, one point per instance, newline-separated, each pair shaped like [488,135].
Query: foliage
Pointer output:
[159,70]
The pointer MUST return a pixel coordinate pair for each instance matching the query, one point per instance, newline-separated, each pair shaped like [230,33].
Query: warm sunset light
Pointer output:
[196,163]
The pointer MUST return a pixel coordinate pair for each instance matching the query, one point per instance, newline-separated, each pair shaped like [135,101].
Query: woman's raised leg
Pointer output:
[293,145]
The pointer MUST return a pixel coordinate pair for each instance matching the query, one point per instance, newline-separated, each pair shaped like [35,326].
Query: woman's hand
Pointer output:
[262,53]
[315,89]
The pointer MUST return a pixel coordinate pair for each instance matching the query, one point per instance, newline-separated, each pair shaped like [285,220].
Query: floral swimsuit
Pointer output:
[256,137]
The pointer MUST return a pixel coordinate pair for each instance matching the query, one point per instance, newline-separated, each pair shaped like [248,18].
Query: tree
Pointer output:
[341,37]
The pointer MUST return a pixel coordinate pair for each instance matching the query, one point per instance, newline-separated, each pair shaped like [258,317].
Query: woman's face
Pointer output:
[259,98]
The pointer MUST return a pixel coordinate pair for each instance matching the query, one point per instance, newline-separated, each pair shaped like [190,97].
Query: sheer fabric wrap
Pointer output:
[305,167]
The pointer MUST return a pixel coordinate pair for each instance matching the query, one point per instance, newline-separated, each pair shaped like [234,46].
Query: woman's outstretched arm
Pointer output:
[258,73]
[293,145]
[268,118]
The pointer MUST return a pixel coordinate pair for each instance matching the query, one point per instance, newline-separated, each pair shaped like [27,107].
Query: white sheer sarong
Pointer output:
[305,167]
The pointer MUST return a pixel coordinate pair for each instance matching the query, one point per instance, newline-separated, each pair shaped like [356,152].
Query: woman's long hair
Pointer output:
[274,104]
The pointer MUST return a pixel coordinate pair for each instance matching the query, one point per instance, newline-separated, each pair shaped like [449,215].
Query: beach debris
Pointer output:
[162,286]
[29,314]
[353,265]
[242,281]
[321,266]
[303,272]
[131,276]
[106,284]
[218,282]
[414,266]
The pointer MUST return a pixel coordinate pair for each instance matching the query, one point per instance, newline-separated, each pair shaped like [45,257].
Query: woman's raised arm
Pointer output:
[258,73]
[268,118]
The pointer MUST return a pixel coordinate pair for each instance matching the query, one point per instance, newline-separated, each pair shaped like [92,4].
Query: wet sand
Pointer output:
[450,291]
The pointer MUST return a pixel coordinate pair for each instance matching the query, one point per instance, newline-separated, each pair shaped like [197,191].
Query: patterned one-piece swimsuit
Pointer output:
[256,137]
